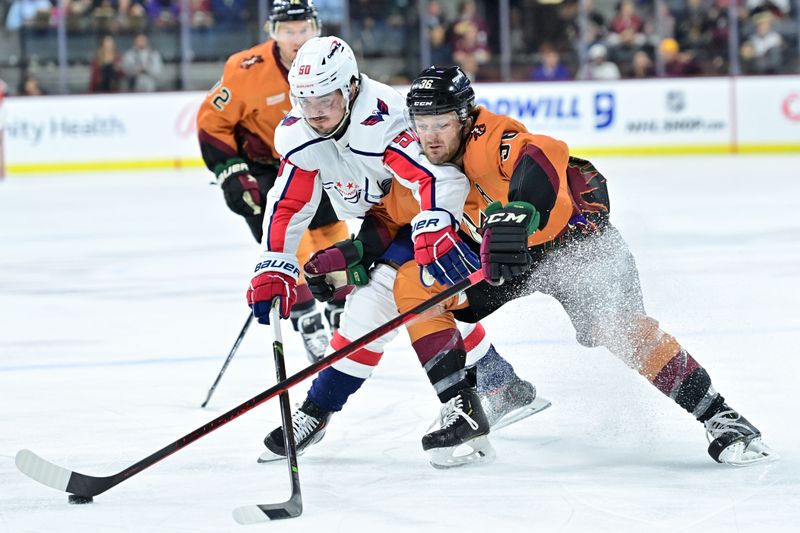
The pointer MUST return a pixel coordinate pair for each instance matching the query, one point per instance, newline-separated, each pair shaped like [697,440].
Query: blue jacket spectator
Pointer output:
[551,68]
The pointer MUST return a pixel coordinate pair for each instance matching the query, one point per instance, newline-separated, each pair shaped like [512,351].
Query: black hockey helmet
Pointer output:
[439,90]
[291,10]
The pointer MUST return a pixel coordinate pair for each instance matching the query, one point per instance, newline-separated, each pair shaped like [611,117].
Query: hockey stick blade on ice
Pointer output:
[66,480]
[228,359]
[293,507]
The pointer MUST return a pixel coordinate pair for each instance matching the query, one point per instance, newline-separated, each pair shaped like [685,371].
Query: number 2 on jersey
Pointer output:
[222,99]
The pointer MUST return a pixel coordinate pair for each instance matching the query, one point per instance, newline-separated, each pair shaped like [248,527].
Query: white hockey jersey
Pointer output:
[355,168]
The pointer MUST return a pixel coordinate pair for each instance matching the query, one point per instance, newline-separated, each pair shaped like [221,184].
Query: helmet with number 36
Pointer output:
[439,90]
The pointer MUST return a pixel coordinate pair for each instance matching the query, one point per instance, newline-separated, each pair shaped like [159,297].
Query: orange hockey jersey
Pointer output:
[494,149]
[241,112]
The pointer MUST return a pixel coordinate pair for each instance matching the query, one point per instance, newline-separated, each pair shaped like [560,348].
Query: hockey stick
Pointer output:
[228,360]
[293,507]
[57,477]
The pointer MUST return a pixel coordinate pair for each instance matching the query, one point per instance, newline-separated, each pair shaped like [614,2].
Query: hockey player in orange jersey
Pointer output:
[553,236]
[236,125]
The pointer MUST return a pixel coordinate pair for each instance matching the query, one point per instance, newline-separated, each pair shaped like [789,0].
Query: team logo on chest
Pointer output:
[377,115]
[347,189]
[250,61]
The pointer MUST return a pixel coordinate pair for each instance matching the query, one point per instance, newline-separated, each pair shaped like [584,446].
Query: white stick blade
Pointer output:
[249,514]
[42,470]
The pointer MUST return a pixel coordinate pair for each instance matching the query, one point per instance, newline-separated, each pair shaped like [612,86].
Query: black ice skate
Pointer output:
[734,440]
[313,332]
[308,423]
[462,424]
[511,403]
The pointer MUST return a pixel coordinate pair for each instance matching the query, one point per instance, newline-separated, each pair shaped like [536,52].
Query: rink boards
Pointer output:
[631,117]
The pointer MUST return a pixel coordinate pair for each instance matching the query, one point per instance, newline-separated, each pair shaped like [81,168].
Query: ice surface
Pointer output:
[121,294]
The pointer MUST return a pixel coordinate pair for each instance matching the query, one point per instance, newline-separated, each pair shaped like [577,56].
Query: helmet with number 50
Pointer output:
[323,81]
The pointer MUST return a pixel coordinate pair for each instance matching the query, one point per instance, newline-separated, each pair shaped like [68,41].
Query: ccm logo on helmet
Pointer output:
[278,265]
[506,217]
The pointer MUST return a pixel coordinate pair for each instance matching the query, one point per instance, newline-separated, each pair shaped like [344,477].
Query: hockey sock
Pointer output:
[334,385]
[331,389]
[492,370]
[674,372]
[442,355]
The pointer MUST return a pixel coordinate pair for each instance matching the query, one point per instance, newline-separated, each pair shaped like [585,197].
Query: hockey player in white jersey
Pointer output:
[349,135]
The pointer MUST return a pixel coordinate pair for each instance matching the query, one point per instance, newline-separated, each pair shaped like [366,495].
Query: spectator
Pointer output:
[229,13]
[551,68]
[27,12]
[763,51]
[625,49]
[676,63]
[641,66]
[30,87]
[628,21]
[106,68]
[777,7]
[441,50]
[596,29]
[470,42]
[106,14]
[162,13]
[200,13]
[137,17]
[142,65]
[598,67]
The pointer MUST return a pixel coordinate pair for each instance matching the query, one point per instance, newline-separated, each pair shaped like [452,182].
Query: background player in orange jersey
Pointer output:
[552,236]
[236,125]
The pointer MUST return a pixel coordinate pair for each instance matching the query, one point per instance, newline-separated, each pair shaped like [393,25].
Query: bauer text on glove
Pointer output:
[240,188]
[439,249]
[275,276]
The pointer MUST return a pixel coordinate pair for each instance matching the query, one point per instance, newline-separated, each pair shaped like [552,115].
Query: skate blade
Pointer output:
[537,405]
[741,454]
[269,457]
[481,451]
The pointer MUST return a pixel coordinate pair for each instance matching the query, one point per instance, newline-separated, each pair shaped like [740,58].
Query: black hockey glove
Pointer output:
[335,268]
[504,248]
[241,190]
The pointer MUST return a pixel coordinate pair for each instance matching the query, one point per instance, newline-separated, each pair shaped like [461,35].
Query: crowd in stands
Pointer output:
[126,15]
[550,40]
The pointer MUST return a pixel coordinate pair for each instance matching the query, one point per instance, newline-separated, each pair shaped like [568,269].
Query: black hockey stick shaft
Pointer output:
[228,359]
[84,485]
[295,504]
[293,507]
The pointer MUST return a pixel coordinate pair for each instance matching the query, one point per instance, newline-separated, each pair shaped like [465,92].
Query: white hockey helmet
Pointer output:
[322,66]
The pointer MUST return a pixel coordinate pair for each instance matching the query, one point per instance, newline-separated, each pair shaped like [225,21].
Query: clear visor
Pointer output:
[433,124]
[320,106]
[293,30]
